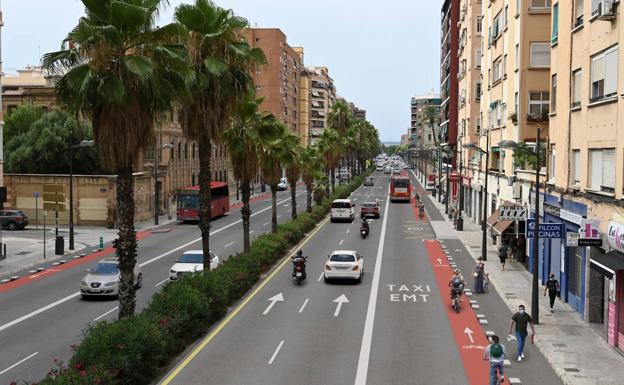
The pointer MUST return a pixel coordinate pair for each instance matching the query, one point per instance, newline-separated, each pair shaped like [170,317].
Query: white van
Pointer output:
[342,209]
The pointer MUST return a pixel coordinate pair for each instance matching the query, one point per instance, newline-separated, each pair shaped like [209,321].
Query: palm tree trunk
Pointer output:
[126,244]
[205,199]
[262,185]
[333,179]
[246,214]
[309,197]
[293,199]
[274,209]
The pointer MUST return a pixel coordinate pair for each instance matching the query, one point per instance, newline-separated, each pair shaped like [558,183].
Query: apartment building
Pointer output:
[322,97]
[470,89]
[585,184]
[279,80]
[423,133]
[359,113]
[2,188]
[304,102]
[449,68]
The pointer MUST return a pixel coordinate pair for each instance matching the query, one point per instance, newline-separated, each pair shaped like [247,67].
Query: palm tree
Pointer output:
[116,70]
[270,161]
[242,139]
[432,117]
[220,62]
[339,118]
[291,157]
[310,167]
[330,147]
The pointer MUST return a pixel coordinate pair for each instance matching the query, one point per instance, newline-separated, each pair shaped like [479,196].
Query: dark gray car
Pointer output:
[13,219]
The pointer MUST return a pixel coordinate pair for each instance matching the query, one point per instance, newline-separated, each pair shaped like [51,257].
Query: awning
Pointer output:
[608,263]
[497,225]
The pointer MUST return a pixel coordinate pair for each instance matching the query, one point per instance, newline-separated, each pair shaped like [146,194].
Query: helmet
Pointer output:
[456,271]
[300,252]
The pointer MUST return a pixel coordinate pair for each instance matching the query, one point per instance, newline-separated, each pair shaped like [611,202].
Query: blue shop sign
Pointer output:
[546,230]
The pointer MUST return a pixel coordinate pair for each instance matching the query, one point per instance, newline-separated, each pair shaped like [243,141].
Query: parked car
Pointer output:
[342,209]
[191,261]
[369,181]
[370,209]
[282,185]
[103,279]
[430,185]
[347,264]
[13,219]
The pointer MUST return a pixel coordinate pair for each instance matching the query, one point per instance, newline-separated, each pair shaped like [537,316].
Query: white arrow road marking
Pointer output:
[107,313]
[278,297]
[340,300]
[469,333]
[279,347]
[18,362]
[439,261]
[304,305]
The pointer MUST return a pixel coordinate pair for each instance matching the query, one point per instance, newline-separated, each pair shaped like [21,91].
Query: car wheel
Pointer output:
[11,226]
[325,278]
[332,220]
[359,280]
[139,282]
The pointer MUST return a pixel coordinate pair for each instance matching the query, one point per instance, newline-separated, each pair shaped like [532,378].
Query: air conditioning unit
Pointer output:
[517,190]
[607,10]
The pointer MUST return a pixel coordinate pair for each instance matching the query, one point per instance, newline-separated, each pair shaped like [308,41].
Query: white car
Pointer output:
[103,279]
[342,209]
[344,264]
[190,262]
[388,170]
[380,168]
[282,185]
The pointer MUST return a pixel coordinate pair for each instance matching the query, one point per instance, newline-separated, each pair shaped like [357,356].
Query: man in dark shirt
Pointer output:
[521,319]
[552,287]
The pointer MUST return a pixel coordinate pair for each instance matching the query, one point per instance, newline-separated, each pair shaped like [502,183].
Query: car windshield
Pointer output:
[369,205]
[401,182]
[191,258]
[341,205]
[342,258]
[105,268]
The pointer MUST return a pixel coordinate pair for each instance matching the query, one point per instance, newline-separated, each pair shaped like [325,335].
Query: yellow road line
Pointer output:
[240,307]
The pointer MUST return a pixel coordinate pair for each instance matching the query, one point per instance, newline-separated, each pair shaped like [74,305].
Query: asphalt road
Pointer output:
[41,319]
[396,328]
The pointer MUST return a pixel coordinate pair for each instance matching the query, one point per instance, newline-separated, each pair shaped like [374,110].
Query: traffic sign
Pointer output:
[512,213]
[546,230]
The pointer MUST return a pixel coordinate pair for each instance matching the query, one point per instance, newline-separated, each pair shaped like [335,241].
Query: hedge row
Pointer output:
[134,351]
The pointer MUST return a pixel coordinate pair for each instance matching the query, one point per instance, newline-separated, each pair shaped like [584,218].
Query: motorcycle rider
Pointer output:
[457,284]
[299,260]
[365,225]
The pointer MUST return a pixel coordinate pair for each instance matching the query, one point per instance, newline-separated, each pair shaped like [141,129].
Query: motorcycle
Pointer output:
[364,231]
[299,273]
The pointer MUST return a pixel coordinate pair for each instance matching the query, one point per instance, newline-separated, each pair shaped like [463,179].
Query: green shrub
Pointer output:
[77,375]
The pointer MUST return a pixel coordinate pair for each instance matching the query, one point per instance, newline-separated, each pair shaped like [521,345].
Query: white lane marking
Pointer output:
[340,244]
[304,305]
[161,282]
[76,294]
[286,205]
[105,314]
[18,362]
[251,232]
[229,244]
[279,297]
[279,347]
[367,338]
[264,224]
[348,230]
[279,216]
[320,276]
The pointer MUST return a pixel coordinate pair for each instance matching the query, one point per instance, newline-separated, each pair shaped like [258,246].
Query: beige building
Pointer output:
[322,96]
[304,102]
[1,114]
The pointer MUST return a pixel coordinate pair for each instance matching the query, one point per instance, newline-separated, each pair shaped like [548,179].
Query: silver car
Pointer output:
[103,279]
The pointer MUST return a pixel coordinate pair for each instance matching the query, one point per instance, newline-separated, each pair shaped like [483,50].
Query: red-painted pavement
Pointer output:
[66,266]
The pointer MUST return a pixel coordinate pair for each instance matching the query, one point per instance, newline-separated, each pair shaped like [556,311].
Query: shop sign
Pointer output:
[570,216]
[546,230]
[467,181]
[572,239]
[615,236]
[454,177]
[551,209]
[582,242]
[512,213]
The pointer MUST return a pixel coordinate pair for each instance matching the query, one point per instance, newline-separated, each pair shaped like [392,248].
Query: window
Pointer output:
[576,89]
[602,170]
[555,24]
[552,166]
[540,4]
[478,125]
[576,167]
[517,62]
[538,104]
[516,103]
[478,91]
[497,70]
[578,13]
[540,55]
[604,75]
[479,24]
[553,92]
[478,58]
[505,16]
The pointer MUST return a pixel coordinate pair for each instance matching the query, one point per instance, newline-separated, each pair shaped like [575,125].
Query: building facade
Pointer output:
[449,68]
[278,81]
[322,97]
[424,129]
[1,112]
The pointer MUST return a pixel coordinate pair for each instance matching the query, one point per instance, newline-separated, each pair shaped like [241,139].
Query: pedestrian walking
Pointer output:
[478,273]
[503,254]
[521,320]
[496,354]
[511,249]
[416,197]
[552,287]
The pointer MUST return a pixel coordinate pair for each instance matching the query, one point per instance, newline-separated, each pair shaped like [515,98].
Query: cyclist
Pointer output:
[457,284]
[496,354]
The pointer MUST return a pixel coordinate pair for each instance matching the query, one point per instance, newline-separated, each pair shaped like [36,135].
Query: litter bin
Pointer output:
[59,246]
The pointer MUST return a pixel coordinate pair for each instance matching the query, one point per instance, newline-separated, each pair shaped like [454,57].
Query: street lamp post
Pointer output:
[483,194]
[510,144]
[157,155]
[84,143]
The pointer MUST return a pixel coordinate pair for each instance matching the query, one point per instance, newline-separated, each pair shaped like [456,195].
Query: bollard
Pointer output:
[101,242]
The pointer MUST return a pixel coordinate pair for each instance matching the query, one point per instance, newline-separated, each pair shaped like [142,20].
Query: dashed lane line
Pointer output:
[279,347]
[105,314]
[18,363]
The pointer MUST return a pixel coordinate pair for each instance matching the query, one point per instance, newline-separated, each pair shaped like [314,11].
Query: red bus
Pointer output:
[188,201]
[400,189]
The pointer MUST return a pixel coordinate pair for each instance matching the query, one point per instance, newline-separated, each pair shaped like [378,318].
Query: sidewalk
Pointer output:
[575,351]
[25,248]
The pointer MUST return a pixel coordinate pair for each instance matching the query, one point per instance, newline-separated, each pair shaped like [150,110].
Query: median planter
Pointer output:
[135,351]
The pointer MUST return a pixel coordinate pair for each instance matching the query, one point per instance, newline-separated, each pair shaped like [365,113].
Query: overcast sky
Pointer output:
[380,53]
